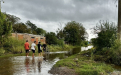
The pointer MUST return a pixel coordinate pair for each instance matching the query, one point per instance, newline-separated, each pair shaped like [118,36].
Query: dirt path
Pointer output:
[62,71]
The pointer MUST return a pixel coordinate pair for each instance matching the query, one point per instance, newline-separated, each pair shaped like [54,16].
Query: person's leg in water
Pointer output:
[27,53]
[33,53]
[40,51]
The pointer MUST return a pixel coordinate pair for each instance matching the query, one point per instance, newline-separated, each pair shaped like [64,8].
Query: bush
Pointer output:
[107,33]
[115,52]
[13,45]
[2,51]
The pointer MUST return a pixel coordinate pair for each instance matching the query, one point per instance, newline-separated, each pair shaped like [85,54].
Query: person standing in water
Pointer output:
[33,47]
[26,46]
[39,49]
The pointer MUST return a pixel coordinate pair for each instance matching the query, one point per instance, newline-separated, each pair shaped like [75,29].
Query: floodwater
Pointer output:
[22,65]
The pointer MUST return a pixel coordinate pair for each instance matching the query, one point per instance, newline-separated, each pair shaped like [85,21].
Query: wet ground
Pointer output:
[22,65]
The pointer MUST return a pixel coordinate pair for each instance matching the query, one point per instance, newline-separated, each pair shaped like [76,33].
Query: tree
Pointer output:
[5,27]
[11,18]
[74,33]
[21,28]
[60,34]
[51,38]
[2,19]
[32,26]
[40,31]
[107,33]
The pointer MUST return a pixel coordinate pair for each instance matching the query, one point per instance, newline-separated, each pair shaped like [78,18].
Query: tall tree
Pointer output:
[32,26]
[74,32]
[11,18]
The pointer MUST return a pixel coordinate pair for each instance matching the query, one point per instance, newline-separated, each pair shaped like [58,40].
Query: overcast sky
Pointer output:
[49,14]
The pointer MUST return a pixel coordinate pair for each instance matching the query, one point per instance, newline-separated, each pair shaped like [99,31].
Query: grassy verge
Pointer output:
[11,55]
[54,48]
[83,64]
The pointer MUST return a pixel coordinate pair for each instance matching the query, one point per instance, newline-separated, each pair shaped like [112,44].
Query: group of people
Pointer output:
[33,48]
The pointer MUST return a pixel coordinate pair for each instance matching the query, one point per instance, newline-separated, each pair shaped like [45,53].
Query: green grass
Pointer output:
[54,48]
[11,55]
[83,65]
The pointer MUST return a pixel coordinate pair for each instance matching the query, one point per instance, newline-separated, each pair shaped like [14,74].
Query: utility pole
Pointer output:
[0,4]
[119,19]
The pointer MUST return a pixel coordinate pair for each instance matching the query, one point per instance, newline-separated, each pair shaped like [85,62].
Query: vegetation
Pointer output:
[13,45]
[51,38]
[106,36]
[73,33]
[54,48]
[107,46]
[83,64]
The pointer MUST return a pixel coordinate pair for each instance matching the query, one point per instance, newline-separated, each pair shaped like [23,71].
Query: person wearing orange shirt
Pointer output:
[26,46]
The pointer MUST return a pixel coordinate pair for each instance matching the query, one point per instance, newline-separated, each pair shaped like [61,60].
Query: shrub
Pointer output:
[13,45]
[2,51]
[106,36]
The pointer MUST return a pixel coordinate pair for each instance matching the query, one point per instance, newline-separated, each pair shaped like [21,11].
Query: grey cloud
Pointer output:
[59,10]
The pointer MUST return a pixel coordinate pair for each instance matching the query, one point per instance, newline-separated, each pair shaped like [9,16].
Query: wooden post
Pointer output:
[119,19]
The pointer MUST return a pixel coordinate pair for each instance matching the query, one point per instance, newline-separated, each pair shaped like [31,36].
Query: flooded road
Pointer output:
[22,65]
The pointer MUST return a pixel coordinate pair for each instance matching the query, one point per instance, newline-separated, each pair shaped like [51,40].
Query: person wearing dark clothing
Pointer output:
[39,49]
[44,47]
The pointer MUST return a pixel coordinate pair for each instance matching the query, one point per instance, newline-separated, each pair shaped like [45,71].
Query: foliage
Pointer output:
[2,19]
[51,38]
[106,35]
[11,18]
[54,48]
[115,52]
[83,65]
[32,26]
[40,31]
[74,33]
[2,51]
[60,34]
[13,45]
[5,27]
[21,28]
[84,43]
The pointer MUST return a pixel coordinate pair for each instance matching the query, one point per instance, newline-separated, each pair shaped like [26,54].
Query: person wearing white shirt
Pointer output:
[33,47]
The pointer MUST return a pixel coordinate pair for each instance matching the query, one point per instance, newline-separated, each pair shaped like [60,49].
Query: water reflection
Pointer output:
[39,64]
[46,56]
[33,64]
[27,64]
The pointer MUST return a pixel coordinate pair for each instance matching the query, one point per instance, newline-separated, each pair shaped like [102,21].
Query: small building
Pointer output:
[30,37]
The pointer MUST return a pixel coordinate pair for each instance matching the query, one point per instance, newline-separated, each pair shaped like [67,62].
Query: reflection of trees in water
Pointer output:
[6,66]
[48,56]
[73,51]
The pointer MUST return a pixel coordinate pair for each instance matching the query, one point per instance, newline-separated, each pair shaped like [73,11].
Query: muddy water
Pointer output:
[20,65]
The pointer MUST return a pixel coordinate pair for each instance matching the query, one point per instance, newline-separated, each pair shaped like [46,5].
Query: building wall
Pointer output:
[30,37]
